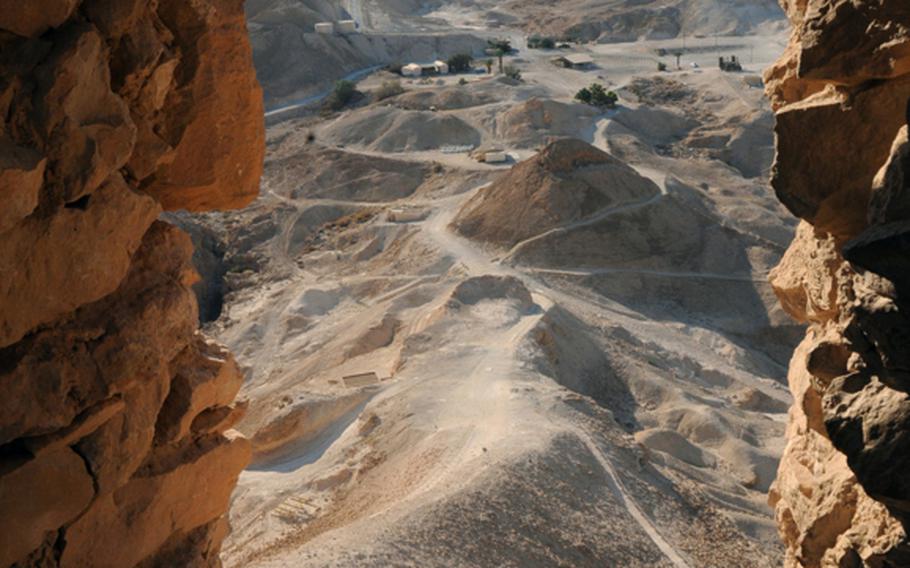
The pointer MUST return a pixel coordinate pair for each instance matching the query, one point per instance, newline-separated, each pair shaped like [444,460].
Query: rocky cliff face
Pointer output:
[115,412]
[841,93]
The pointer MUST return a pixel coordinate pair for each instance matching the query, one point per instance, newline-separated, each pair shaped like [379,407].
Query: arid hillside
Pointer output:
[572,355]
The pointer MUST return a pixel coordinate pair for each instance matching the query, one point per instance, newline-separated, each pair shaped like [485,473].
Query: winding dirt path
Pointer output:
[629,502]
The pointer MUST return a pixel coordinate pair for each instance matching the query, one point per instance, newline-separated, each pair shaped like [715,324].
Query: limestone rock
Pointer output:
[830,148]
[839,42]
[38,496]
[78,255]
[87,127]
[213,167]
[34,17]
[84,424]
[21,176]
[107,112]
[805,281]
[206,377]
[842,495]
[190,490]
[891,189]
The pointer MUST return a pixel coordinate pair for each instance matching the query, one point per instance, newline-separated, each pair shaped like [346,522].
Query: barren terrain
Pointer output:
[578,359]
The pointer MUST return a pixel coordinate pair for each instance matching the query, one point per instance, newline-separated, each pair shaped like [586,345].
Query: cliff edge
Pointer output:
[116,446]
[841,92]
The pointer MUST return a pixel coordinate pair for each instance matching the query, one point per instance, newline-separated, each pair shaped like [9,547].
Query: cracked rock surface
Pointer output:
[841,92]
[115,411]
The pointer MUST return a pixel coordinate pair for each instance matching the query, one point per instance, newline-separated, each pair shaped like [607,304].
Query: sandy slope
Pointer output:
[606,390]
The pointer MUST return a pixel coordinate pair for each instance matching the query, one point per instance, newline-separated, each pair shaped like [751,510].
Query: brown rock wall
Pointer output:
[115,448]
[841,91]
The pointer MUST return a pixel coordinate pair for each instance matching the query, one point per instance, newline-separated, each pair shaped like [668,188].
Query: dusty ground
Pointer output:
[606,391]
[294,63]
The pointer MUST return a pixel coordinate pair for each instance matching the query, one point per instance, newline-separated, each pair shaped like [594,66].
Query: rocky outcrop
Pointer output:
[115,412]
[841,93]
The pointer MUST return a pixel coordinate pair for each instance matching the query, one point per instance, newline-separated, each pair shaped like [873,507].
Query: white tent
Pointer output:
[441,67]
[412,70]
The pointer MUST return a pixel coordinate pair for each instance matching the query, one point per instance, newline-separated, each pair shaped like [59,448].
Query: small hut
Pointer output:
[575,61]
[347,27]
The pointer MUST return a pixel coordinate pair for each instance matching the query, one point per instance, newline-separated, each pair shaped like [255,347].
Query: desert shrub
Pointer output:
[460,63]
[537,42]
[342,94]
[502,45]
[584,96]
[462,81]
[512,72]
[388,89]
[597,95]
[394,68]
[661,66]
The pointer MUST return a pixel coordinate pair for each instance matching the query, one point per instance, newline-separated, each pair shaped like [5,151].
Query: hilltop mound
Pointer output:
[567,181]
[449,98]
[534,121]
[387,129]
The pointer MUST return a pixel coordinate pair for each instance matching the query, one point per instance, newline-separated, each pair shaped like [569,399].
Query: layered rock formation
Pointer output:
[841,93]
[115,412]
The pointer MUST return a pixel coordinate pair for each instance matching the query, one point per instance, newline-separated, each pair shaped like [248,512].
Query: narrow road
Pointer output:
[478,263]
[629,503]
[311,100]
[647,272]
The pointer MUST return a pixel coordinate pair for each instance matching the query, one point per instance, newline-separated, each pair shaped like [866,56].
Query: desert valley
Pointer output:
[572,357]
[454,283]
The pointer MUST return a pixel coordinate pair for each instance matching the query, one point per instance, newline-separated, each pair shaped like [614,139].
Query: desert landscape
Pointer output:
[570,357]
[454,283]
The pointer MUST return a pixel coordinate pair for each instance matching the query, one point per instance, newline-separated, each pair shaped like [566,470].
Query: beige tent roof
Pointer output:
[579,59]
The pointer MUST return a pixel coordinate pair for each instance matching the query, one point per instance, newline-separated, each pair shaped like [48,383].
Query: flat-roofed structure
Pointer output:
[361,379]
[346,27]
[575,61]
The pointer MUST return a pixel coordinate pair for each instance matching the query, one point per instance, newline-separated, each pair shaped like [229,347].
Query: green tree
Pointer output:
[460,63]
[584,95]
[597,95]
[489,64]
[538,42]
[342,94]
[513,72]
[503,45]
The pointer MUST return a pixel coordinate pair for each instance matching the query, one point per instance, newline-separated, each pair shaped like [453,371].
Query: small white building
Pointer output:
[412,70]
[495,157]
[327,28]
[441,67]
[575,61]
[346,27]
